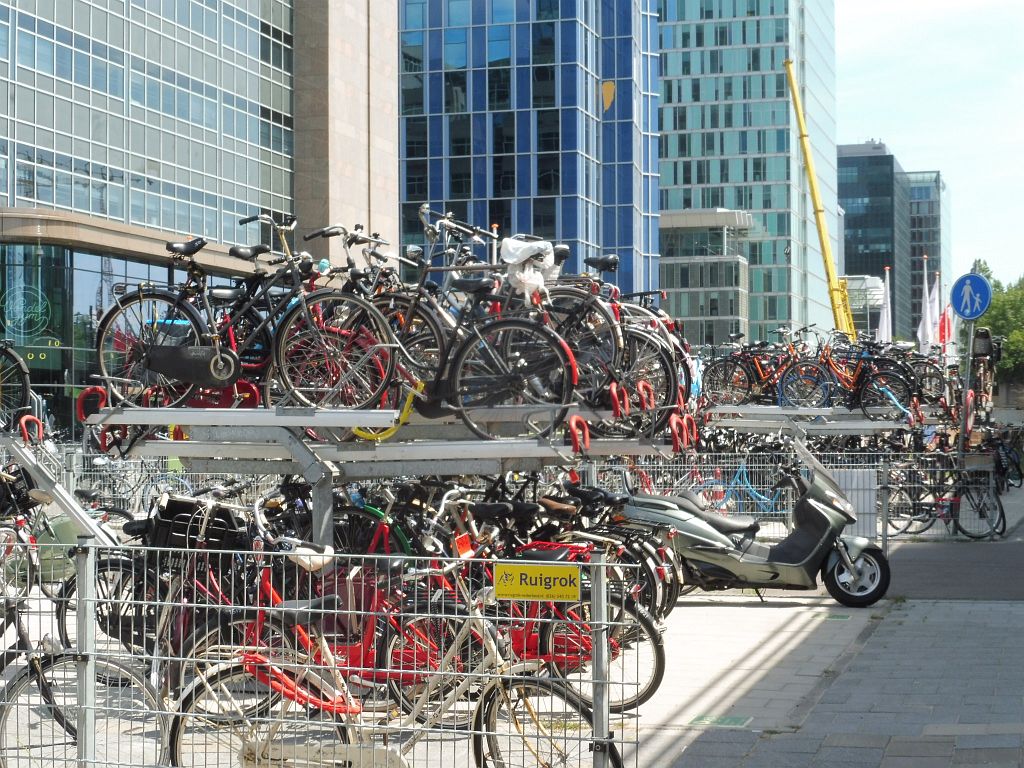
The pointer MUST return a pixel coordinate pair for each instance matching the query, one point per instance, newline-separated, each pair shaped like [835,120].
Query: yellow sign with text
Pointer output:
[516,581]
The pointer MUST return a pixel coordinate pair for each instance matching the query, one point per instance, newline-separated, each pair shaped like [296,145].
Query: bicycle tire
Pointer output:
[31,709]
[647,359]
[358,531]
[596,338]
[560,726]
[129,329]
[334,350]
[907,515]
[220,640]
[980,510]
[726,382]
[510,363]
[15,388]
[633,637]
[884,396]
[128,598]
[805,384]
[930,381]
[412,655]
[226,708]
[17,565]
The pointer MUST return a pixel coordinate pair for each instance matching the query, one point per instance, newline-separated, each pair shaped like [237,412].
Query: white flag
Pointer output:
[925,327]
[935,302]
[884,333]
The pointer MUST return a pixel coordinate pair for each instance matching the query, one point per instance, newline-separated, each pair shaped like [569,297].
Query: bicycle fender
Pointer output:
[854,546]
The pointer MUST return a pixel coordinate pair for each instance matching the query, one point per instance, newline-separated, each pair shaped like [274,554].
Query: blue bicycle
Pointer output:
[739,495]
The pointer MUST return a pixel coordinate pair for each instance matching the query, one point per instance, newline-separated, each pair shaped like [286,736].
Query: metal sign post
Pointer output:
[970,297]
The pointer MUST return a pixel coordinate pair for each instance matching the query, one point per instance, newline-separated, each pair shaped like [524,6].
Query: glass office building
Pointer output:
[729,141]
[535,115]
[173,116]
[930,235]
[875,193]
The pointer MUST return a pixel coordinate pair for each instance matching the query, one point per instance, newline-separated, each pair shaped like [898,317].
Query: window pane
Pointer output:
[461,178]
[547,130]
[503,130]
[458,13]
[499,46]
[548,175]
[412,52]
[499,89]
[455,92]
[544,43]
[543,87]
[459,135]
[455,49]
[504,177]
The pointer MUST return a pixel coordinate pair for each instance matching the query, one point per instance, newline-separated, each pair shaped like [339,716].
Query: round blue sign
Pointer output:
[971,296]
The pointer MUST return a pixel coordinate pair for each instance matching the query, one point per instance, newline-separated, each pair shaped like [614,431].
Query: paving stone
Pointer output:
[990,740]
[855,740]
[936,746]
[986,755]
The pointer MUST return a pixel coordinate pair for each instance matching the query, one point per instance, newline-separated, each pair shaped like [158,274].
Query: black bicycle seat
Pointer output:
[606,263]
[248,253]
[193,246]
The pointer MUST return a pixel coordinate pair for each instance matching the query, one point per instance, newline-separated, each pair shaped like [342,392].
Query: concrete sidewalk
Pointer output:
[803,681]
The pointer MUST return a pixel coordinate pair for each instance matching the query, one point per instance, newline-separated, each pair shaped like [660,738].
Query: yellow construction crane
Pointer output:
[842,316]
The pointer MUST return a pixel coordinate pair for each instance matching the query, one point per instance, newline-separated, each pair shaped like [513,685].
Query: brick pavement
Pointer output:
[909,683]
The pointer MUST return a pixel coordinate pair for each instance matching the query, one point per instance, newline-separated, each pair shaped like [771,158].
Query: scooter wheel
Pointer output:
[863,590]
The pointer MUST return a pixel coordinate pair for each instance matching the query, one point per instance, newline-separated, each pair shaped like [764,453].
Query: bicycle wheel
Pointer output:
[636,653]
[17,566]
[528,722]
[930,381]
[509,364]
[221,641]
[589,327]
[334,350]
[647,361]
[907,515]
[229,713]
[885,396]
[39,717]
[805,384]
[115,520]
[126,337]
[413,654]
[726,382]
[14,388]
[981,514]
[1014,478]
[367,531]
[128,597]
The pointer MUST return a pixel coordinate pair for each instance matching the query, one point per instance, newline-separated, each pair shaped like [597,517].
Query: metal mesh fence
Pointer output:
[216,657]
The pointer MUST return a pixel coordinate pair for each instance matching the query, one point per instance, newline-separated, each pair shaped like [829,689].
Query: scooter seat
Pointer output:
[731,524]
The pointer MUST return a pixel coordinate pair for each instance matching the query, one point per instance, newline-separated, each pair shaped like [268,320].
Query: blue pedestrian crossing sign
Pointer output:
[971,296]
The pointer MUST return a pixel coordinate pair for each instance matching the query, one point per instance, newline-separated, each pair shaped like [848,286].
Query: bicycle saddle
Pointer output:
[736,336]
[307,611]
[545,555]
[473,284]
[226,294]
[607,263]
[248,253]
[187,249]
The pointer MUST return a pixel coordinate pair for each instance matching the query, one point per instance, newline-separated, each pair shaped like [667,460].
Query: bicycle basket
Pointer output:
[15,492]
[178,522]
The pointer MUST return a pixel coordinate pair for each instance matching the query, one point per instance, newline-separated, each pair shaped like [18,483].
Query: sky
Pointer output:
[941,83]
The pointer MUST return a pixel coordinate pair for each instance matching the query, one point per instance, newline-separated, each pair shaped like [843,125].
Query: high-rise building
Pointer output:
[135,122]
[930,235]
[729,141]
[538,116]
[875,194]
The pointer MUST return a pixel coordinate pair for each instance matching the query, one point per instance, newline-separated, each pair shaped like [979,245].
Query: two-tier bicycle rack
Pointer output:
[258,441]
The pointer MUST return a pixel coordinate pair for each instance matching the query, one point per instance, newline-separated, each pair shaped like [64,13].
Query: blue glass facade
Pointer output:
[535,115]
[729,140]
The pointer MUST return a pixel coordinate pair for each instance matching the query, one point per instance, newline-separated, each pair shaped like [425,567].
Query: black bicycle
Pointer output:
[15,388]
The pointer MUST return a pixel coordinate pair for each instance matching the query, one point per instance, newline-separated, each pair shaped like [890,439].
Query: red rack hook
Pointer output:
[579,433]
[620,400]
[645,392]
[680,437]
[690,424]
[24,422]
[99,392]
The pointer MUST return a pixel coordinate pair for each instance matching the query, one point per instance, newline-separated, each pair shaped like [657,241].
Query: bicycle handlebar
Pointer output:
[448,221]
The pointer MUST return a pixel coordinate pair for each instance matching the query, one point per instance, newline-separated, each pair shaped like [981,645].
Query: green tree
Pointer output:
[1005,317]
